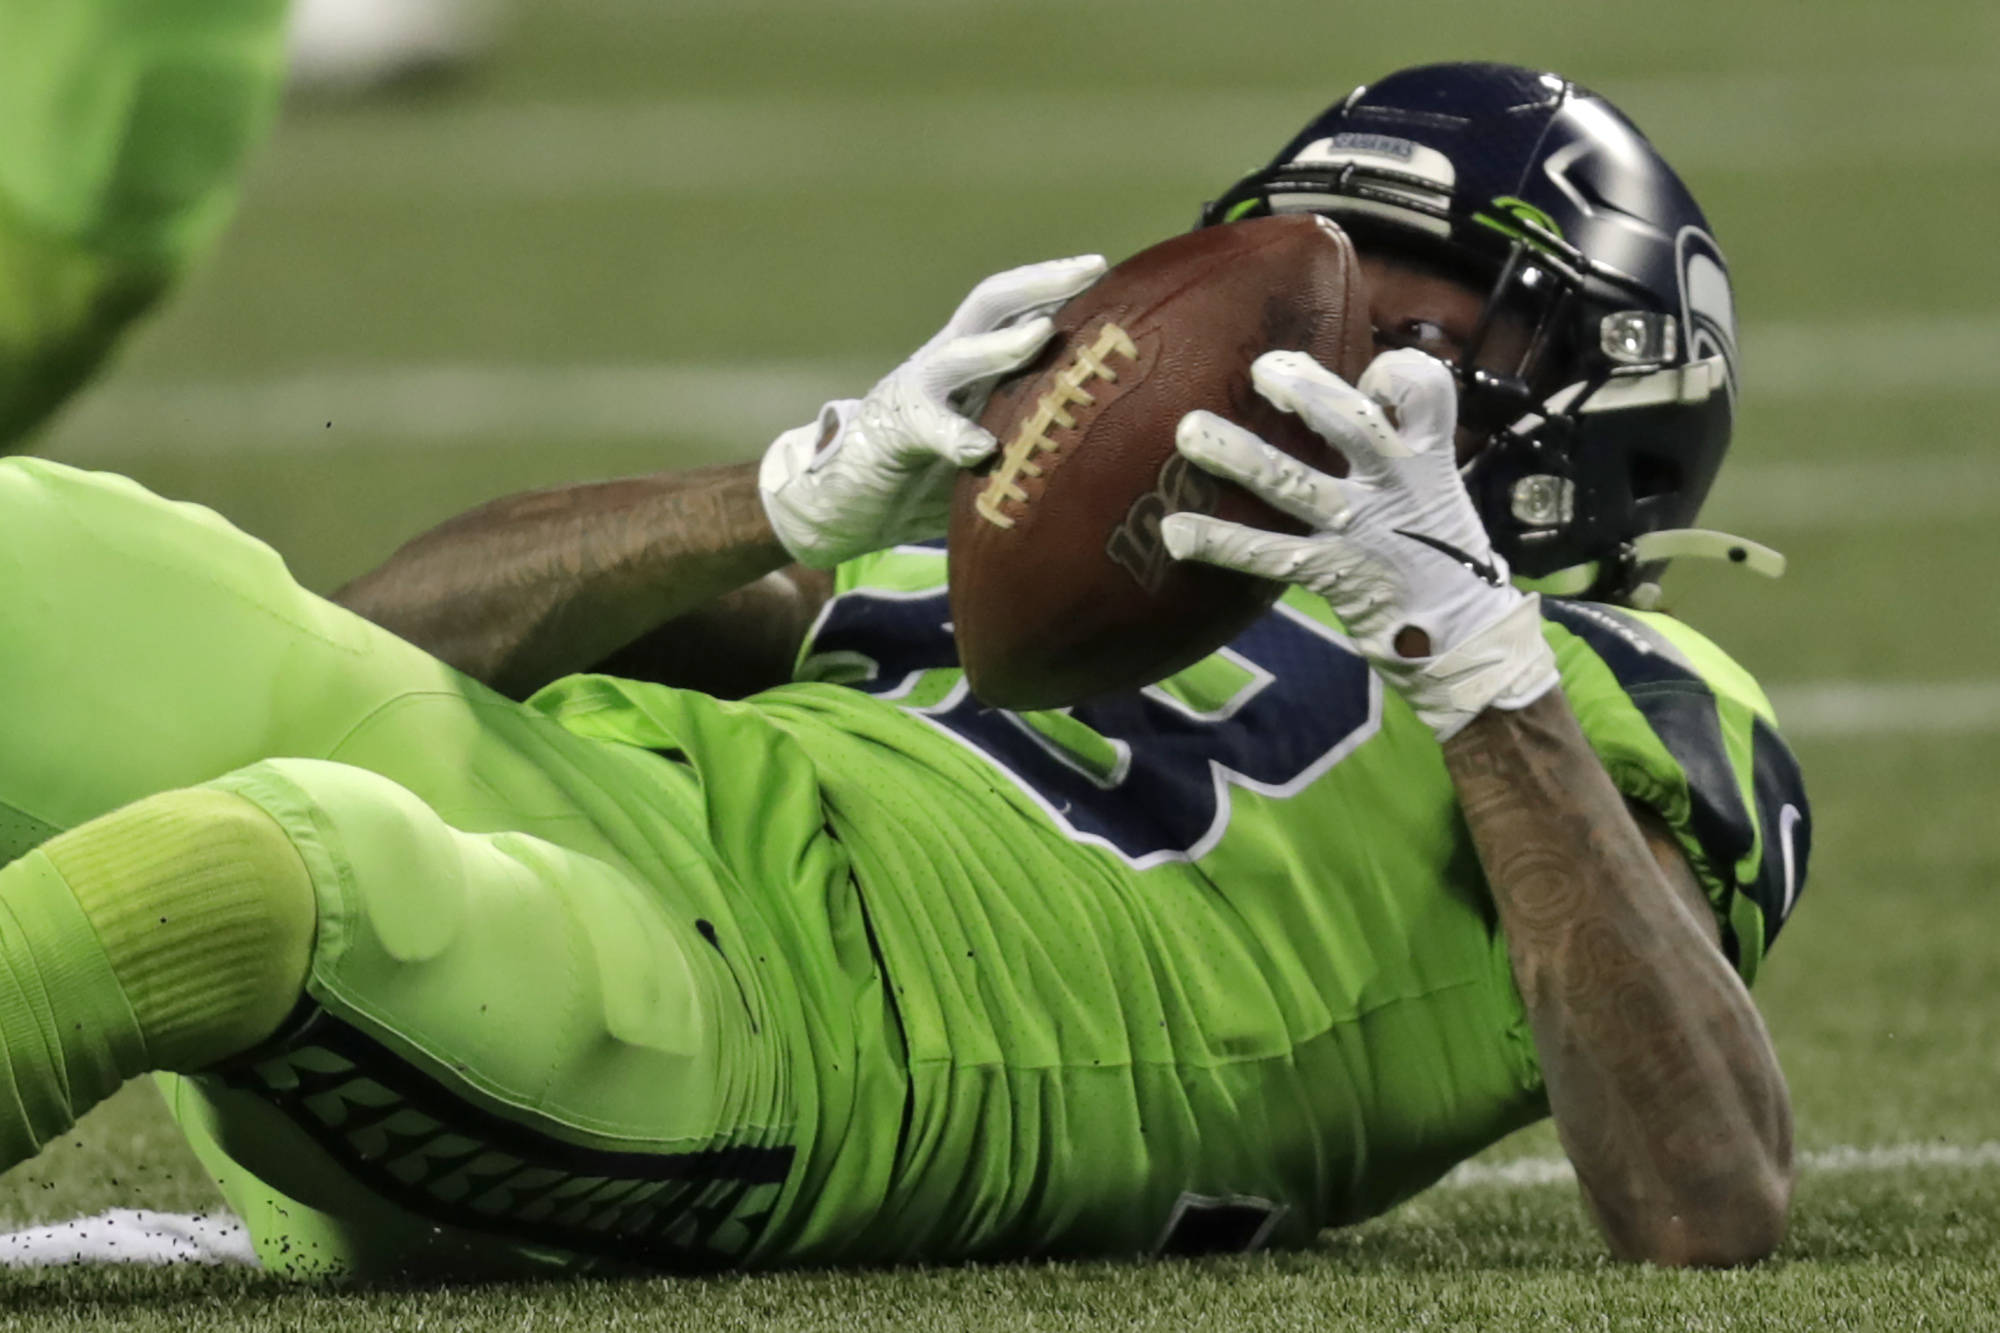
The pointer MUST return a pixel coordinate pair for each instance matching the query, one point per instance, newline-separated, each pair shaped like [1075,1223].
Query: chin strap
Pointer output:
[1700,544]
[1669,544]
[1704,544]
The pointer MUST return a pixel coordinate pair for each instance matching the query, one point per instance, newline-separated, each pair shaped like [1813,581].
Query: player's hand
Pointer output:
[876,472]
[1396,547]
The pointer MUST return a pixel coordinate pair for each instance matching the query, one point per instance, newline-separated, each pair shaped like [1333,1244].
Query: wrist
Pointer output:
[1504,664]
[803,514]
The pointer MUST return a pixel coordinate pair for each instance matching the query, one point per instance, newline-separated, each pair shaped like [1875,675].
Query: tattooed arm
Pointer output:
[675,577]
[1662,1080]
[685,577]
[1665,1089]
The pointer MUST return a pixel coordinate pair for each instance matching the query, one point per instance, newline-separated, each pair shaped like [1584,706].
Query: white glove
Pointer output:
[1395,546]
[878,472]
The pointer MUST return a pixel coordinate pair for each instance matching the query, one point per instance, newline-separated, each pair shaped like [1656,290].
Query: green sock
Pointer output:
[167,935]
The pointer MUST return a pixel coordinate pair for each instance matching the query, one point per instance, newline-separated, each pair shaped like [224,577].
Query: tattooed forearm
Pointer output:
[527,588]
[1663,1083]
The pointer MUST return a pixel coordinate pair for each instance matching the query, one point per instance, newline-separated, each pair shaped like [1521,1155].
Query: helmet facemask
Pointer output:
[1573,386]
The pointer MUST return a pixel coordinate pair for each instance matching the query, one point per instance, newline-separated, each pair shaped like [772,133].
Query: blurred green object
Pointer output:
[124,128]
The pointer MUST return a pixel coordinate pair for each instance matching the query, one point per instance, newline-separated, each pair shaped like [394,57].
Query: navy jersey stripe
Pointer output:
[1786,819]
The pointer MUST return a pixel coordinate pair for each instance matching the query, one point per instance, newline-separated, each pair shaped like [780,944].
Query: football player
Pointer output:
[856,970]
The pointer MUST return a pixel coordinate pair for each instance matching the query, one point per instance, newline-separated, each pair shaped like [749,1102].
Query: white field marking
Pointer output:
[131,1236]
[1861,356]
[772,145]
[747,402]
[458,405]
[1760,497]
[1533,1171]
[1835,710]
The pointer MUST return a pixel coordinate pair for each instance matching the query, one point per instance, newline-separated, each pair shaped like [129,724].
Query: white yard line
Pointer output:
[744,403]
[1841,709]
[130,1236]
[770,146]
[1532,1171]
[138,1236]
[1866,356]
[458,405]
[1766,497]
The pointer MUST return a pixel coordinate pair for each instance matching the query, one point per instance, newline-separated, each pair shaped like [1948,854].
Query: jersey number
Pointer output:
[1152,782]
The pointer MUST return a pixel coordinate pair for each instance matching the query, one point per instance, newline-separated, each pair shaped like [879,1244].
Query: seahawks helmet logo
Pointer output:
[1708,311]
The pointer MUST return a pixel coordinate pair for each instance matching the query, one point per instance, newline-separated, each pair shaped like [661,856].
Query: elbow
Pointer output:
[1739,1224]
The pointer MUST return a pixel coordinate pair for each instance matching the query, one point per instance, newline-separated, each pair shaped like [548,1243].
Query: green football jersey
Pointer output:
[1204,966]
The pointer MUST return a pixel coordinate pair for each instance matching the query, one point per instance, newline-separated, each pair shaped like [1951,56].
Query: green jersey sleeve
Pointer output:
[1686,732]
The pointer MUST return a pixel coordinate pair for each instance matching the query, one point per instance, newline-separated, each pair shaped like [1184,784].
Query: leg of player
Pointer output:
[147,646]
[509,1054]
[168,935]
[518,1053]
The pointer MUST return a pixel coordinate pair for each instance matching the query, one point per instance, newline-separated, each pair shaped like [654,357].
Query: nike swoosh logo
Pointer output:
[1485,569]
[1788,820]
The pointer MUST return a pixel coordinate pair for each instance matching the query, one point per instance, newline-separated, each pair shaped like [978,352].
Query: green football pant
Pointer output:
[524,1042]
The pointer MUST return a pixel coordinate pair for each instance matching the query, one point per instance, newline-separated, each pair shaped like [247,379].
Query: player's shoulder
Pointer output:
[1686,730]
[1645,653]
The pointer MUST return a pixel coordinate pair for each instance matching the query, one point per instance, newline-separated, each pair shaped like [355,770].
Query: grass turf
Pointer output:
[635,183]
[1915,1251]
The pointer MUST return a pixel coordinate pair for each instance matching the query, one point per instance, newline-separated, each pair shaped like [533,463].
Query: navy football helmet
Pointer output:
[1601,440]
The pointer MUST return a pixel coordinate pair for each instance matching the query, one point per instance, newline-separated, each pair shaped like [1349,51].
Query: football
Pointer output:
[1061,586]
